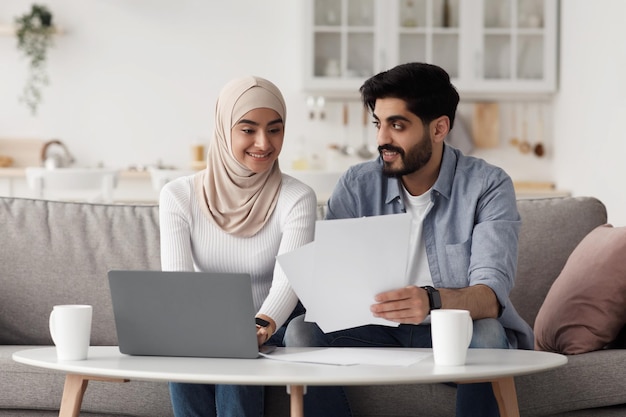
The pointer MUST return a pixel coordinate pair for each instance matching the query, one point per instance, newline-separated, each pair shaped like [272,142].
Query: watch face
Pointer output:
[261,322]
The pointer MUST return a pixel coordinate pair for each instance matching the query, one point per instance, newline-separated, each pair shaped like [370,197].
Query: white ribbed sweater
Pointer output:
[190,241]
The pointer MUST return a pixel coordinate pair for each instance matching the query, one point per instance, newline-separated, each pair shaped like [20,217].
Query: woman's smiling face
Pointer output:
[257,139]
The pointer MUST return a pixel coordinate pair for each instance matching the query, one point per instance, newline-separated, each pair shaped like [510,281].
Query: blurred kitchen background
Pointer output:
[133,85]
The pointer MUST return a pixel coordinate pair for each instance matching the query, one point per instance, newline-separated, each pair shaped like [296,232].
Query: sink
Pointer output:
[93,184]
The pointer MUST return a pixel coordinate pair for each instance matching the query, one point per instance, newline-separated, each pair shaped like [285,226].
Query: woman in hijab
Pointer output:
[237,215]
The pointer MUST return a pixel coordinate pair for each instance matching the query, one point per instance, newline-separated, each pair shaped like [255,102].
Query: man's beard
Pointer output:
[413,160]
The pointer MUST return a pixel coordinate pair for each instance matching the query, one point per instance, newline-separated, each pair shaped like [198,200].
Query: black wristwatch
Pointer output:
[434,298]
[261,322]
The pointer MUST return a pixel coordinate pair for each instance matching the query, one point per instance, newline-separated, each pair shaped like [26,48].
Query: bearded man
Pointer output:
[463,240]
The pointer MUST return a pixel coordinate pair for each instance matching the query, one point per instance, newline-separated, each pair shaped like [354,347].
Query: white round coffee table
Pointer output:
[497,366]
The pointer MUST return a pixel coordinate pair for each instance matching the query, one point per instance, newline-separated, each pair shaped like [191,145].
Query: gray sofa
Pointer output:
[60,252]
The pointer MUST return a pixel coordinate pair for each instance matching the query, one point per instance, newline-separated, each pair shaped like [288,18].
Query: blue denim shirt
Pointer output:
[470,233]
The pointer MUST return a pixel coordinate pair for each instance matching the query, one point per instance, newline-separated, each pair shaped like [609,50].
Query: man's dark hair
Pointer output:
[425,88]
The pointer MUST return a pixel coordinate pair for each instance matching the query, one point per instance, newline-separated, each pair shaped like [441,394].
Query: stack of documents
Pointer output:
[338,275]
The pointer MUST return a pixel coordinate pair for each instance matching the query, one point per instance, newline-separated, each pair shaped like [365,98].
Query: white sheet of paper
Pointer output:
[352,356]
[298,266]
[352,261]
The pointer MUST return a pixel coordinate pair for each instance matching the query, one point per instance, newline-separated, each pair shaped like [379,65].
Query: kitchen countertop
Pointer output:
[20,172]
[523,189]
[11,172]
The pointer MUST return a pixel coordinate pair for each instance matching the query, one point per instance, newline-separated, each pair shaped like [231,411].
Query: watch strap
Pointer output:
[434,298]
[260,322]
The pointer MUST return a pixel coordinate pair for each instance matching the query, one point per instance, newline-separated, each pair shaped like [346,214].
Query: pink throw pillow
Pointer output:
[586,305]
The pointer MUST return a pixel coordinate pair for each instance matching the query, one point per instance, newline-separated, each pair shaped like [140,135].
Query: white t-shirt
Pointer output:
[418,272]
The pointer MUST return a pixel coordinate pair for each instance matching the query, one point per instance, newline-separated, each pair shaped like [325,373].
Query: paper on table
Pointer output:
[351,356]
[337,276]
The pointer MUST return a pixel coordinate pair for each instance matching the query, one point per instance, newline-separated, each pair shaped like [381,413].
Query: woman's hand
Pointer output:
[263,334]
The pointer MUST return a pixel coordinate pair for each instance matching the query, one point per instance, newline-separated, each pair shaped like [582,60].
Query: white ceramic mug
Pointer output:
[70,328]
[451,332]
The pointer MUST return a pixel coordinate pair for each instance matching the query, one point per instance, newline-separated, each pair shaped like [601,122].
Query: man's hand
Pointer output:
[408,305]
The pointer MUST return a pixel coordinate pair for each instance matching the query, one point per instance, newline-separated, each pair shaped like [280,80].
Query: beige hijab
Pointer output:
[236,199]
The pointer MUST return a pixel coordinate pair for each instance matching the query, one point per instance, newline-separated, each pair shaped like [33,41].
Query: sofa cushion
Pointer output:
[547,238]
[589,381]
[586,306]
[59,253]
[27,387]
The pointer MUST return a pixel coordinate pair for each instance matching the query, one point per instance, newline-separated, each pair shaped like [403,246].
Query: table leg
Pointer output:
[297,401]
[74,390]
[504,390]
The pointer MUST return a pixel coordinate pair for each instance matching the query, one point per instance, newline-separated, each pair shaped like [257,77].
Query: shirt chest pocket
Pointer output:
[457,264]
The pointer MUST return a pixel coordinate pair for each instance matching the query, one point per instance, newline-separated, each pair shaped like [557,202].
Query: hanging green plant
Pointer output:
[34,37]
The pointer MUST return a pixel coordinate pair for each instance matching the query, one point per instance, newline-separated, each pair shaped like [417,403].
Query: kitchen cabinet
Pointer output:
[489,47]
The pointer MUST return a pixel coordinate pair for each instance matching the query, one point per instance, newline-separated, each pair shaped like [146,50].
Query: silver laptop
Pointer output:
[159,313]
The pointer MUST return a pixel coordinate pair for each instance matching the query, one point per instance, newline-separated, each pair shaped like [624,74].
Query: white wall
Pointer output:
[590,109]
[135,81]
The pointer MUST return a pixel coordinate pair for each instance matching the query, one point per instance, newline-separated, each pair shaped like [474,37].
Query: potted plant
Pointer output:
[34,36]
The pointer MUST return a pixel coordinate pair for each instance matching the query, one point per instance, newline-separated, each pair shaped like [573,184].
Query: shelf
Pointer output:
[9,30]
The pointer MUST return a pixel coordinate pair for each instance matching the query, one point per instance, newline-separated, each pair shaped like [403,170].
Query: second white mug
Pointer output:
[70,328]
[451,332]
